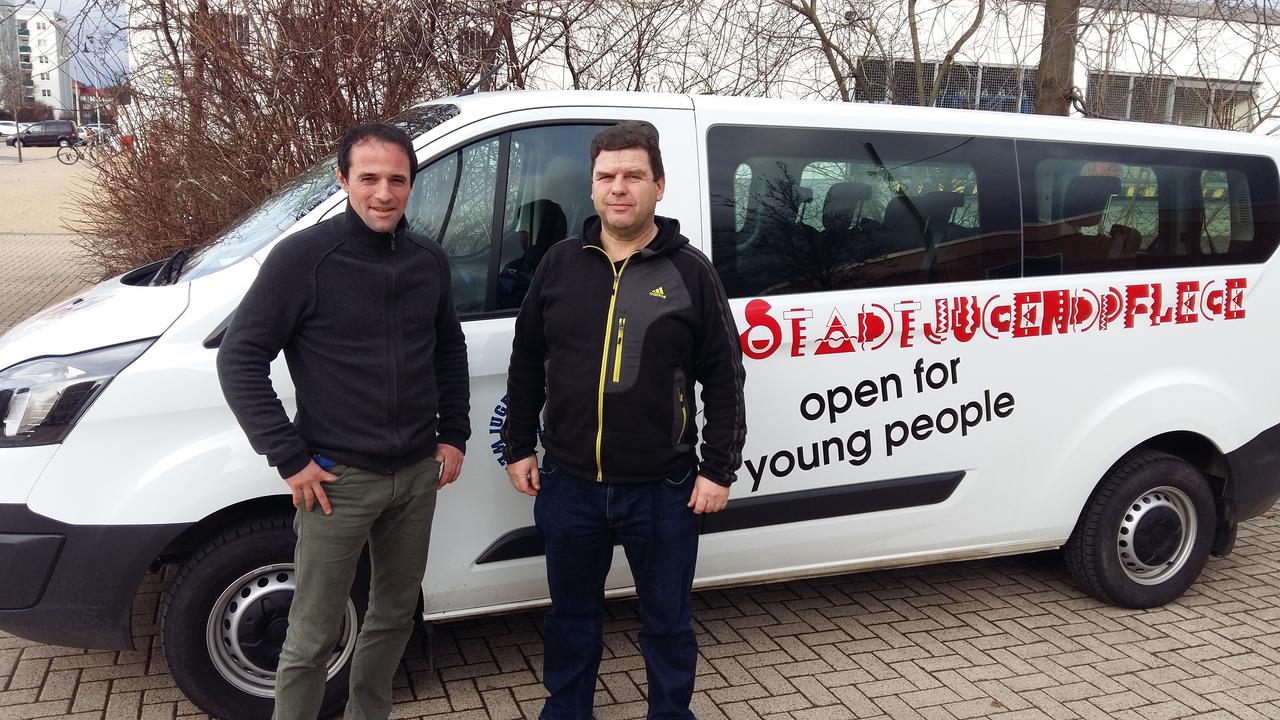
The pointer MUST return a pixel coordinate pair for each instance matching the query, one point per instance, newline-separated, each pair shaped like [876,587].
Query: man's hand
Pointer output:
[524,475]
[450,459]
[708,496]
[307,486]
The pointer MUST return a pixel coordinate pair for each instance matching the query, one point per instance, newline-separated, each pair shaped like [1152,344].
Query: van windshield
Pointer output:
[264,223]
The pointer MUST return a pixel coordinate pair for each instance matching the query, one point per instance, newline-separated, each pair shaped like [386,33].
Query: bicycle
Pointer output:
[69,154]
[96,148]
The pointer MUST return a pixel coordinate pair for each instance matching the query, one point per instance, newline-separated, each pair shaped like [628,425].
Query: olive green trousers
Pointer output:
[392,513]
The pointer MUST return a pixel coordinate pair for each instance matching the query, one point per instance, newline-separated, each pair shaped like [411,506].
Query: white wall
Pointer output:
[50,56]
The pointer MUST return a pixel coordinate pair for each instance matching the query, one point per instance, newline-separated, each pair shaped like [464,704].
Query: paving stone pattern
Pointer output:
[1001,638]
[35,270]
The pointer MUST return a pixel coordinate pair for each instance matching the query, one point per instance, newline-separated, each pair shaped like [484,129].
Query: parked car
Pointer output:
[9,127]
[88,130]
[48,132]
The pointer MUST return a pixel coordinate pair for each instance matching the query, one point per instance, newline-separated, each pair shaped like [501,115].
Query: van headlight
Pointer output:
[41,399]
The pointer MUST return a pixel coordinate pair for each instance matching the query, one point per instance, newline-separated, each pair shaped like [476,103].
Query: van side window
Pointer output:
[543,177]
[548,199]
[1095,208]
[452,203]
[801,210]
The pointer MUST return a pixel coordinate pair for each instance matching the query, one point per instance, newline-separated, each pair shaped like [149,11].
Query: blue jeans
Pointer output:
[580,521]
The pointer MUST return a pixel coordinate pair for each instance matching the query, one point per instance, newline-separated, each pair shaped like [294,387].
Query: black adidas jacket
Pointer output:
[615,350]
[374,347]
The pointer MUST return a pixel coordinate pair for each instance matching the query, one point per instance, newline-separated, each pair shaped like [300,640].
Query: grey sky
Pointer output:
[87,67]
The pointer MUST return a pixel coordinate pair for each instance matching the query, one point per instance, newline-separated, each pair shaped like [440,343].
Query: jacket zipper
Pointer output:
[394,343]
[684,415]
[604,357]
[617,353]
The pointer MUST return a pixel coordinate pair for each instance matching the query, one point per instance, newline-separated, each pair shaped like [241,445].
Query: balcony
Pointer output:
[24,49]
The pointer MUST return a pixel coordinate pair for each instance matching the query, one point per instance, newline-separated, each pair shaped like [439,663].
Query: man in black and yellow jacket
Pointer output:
[616,329]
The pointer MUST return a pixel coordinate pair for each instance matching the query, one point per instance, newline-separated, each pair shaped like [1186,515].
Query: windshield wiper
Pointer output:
[171,269]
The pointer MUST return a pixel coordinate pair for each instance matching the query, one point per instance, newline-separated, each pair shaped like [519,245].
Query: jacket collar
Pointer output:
[666,241]
[361,238]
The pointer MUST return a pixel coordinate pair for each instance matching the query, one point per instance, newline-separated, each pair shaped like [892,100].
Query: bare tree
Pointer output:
[850,35]
[1055,88]
[1173,61]
[231,98]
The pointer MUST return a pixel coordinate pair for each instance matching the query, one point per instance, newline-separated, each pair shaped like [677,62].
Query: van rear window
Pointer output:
[1096,208]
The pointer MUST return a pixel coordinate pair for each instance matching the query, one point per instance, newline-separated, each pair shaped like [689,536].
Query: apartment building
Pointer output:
[44,59]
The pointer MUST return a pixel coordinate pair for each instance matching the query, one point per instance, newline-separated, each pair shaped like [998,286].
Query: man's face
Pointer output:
[624,191]
[378,183]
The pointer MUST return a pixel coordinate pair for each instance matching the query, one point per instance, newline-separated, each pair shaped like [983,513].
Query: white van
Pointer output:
[967,334]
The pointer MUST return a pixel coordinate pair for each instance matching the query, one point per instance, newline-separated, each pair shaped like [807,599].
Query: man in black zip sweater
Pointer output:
[617,327]
[363,310]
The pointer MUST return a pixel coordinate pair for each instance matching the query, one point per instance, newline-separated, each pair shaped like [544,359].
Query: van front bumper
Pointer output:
[73,585]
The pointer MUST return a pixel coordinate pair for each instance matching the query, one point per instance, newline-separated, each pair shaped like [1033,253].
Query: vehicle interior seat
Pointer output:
[843,204]
[541,223]
[901,230]
[1085,245]
[841,209]
[544,224]
[1074,240]
[905,229]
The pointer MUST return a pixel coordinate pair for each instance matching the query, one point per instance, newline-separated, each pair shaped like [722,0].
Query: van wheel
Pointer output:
[224,616]
[1145,534]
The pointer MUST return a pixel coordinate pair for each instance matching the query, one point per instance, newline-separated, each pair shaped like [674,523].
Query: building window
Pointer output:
[44,59]
[46,93]
[40,42]
[981,87]
[44,76]
[41,26]
[1199,102]
[233,25]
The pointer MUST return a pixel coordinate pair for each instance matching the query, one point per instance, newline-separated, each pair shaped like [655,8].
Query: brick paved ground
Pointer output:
[1006,638]
[38,269]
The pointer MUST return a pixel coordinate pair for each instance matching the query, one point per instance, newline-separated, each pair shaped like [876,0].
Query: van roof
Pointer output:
[528,99]
[873,116]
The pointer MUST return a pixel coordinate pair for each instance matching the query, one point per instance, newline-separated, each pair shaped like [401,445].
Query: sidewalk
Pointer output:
[35,196]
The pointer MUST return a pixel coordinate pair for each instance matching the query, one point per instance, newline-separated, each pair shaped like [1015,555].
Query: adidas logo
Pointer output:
[657,292]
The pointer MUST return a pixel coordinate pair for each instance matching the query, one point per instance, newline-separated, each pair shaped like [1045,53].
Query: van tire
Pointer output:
[256,553]
[1145,534]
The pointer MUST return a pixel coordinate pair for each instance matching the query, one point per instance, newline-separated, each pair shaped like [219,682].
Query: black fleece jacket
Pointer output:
[374,348]
[615,350]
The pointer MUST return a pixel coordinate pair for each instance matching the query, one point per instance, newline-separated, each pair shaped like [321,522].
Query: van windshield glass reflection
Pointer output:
[264,223]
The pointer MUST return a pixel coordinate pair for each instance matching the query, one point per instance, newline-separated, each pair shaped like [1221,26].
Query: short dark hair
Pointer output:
[382,132]
[630,134]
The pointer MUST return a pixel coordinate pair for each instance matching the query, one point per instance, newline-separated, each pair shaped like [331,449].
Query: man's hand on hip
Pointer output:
[307,486]
[708,496]
[450,459]
[524,475]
